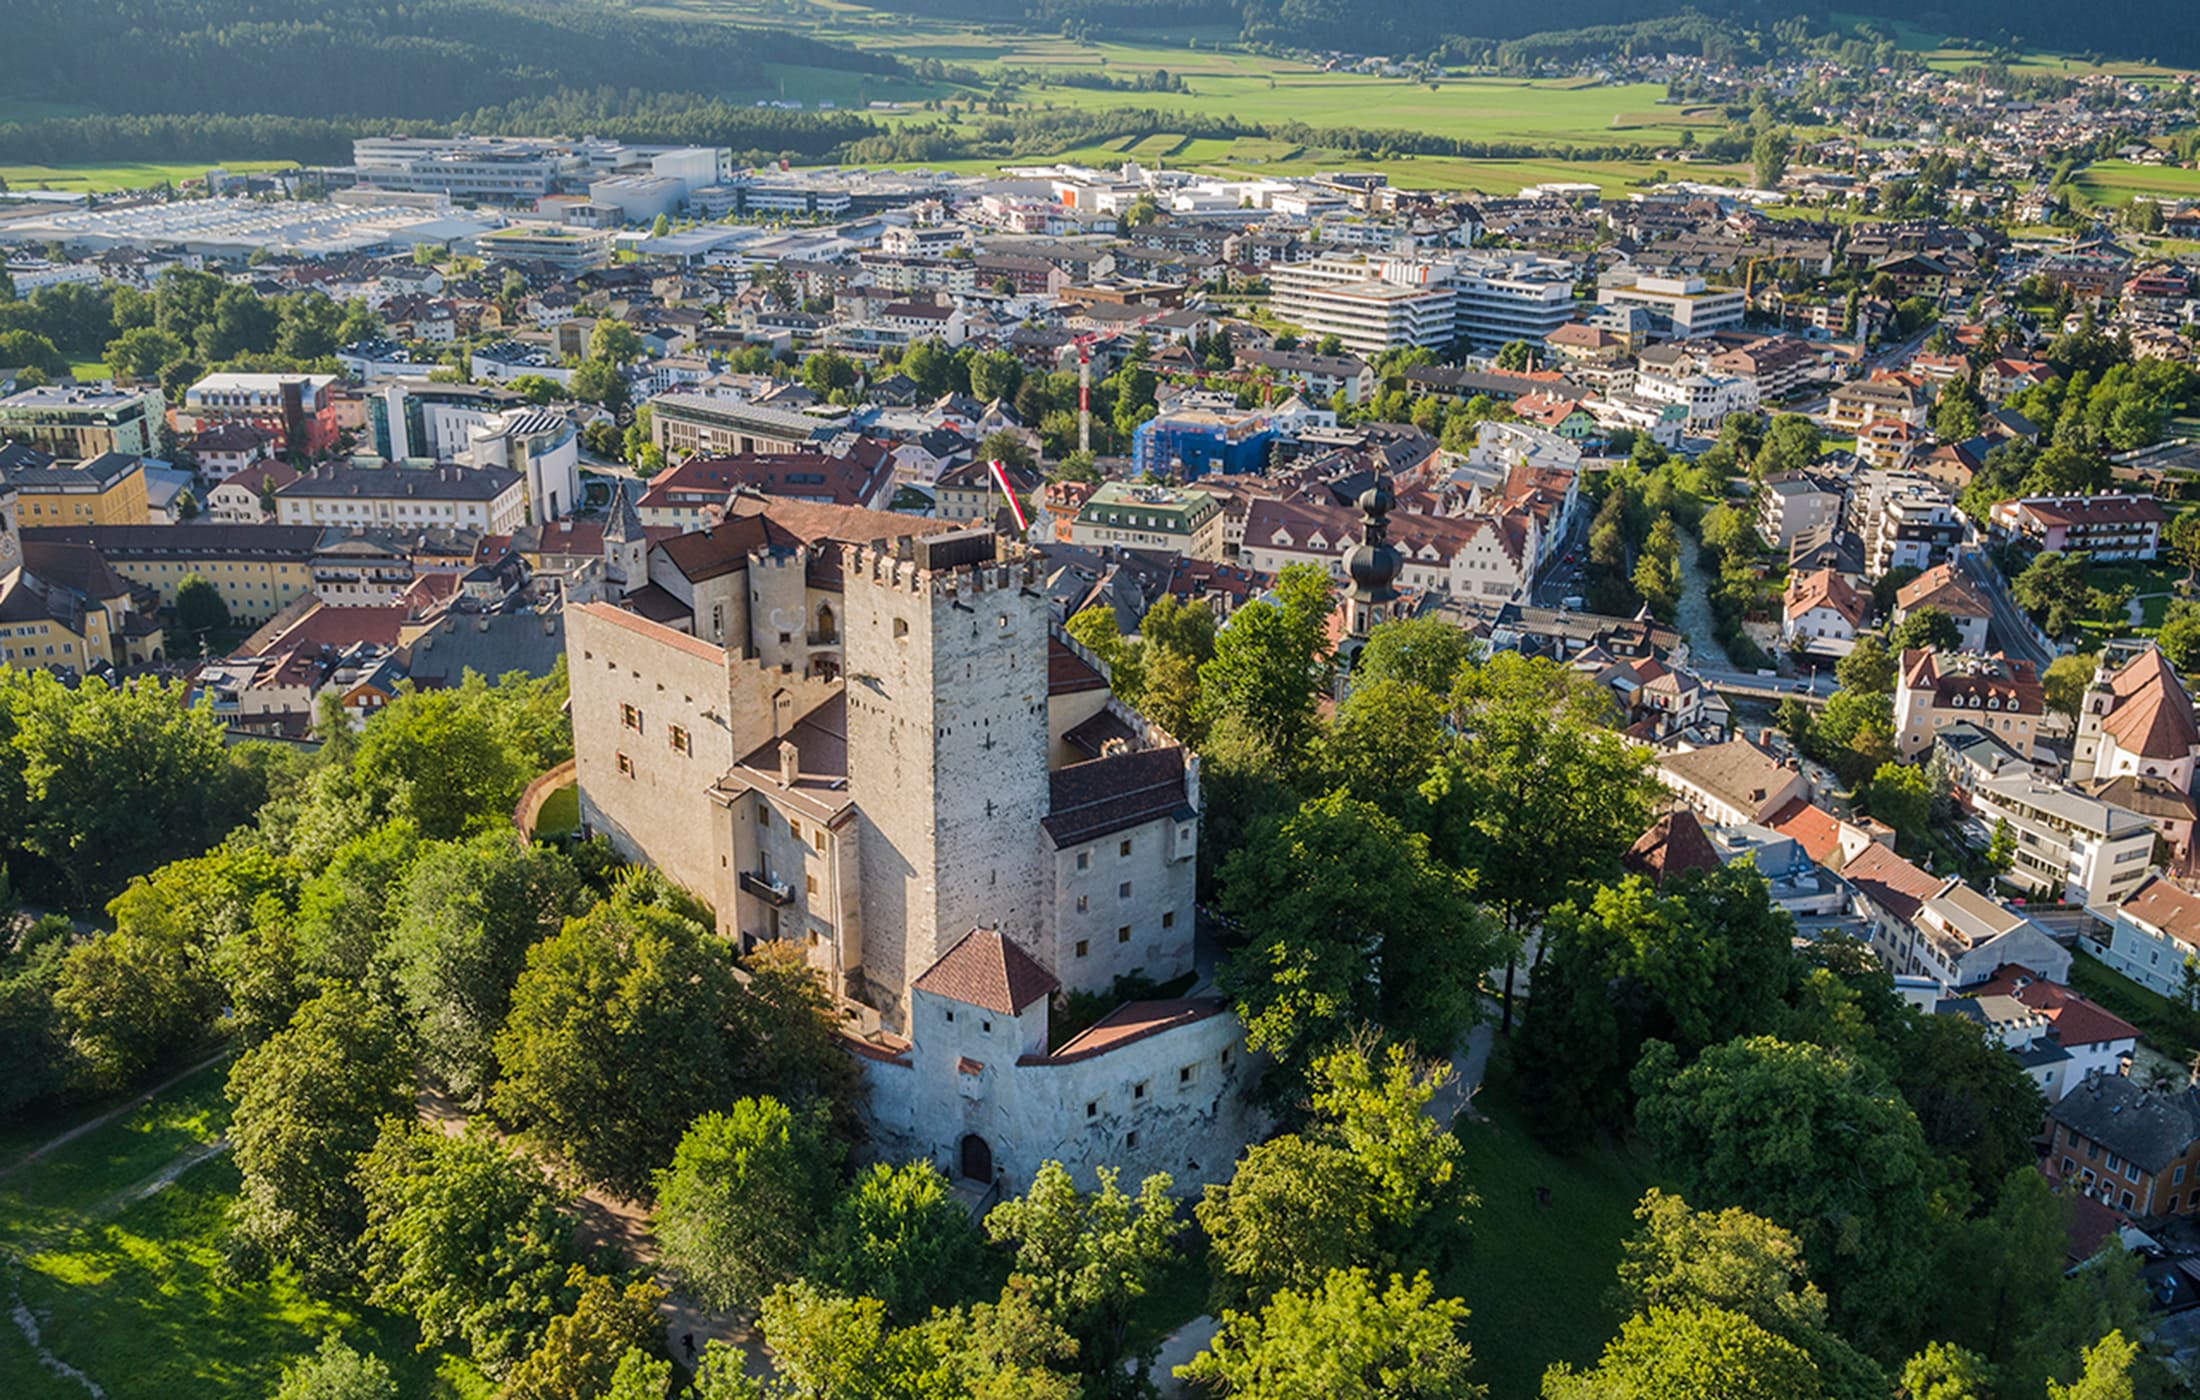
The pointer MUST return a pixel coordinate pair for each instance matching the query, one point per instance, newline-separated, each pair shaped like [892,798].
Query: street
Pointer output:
[2012,630]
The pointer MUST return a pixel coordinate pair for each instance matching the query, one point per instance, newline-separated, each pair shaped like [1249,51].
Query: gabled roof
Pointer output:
[1114,793]
[2152,716]
[2149,1128]
[1943,588]
[1825,588]
[1674,845]
[989,972]
[2077,1020]
[1891,882]
[1810,826]
[2161,903]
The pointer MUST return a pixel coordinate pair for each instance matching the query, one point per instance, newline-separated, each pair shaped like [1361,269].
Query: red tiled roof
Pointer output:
[1673,845]
[2076,1020]
[1068,673]
[2152,716]
[680,641]
[989,972]
[1891,882]
[1810,826]
[1131,1021]
[2165,905]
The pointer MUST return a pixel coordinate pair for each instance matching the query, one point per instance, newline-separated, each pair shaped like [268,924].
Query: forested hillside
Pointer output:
[420,58]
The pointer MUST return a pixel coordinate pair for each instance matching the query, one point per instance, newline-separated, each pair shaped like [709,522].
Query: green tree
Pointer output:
[1818,1143]
[2001,851]
[1424,651]
[1902,797]
[1697,965]
[537,388]
[995,374]
[335,1372]
[580,1352]
[143,353]
[2055,590]
[467,915]
[1381,744]
[614,342]
[1692,1354]
[625,1026]
[2183,539]
[1791,443]
[200,610]
[1768,157]
[1348,920]
[599,382]
[463,1235]
[342,923]
[739,1205]
[1089,1256]
[899,1235]
[307,1106]
[1269,662]
[2108,1368]
[1539,797]
[1515,355]
[1944,1372]
[1928,628]
[1347,1339]
[1869,668]
[436,758]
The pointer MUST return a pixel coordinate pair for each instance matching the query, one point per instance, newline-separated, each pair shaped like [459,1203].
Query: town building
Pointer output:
[1481,562]
[2061,1037]
[257,569]
[1933,690]
[693,494]
[2136,720]
[2069,846]
[2132,1148]
[1822,612]
[726,425]
[298,412]
[1684,308]
[567,249]
[1793,502]
[2154,935]
[2106,527]
[1940,929]
[109,489]
[369,493]
[64,609]
[1186,441]
[1732,784]
[1946,590]
[73,422]
[542,447]
[1124,515]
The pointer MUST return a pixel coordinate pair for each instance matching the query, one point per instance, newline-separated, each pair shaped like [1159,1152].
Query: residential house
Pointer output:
[2069,846]
[1822,612]
[1732,783]
[2153,934]
[247,496]
[2075,1039]
[1482,561]
[1950,592]
[1792,502]
[366,492]
[1924,925]
[1937,689]
[2135,1149]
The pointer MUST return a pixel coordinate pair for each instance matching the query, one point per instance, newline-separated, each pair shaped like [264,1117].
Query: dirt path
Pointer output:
[109,1116]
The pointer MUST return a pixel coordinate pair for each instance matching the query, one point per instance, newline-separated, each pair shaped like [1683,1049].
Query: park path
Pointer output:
[109,1116]
[26,1321]
[602,1219]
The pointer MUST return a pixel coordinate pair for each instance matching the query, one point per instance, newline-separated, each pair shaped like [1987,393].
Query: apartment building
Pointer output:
[1369,306]
[2105,527]
[299,412]
[257,569]
[1865,401]
[368,492]
[2154,930]
[1684,308]
[722,425]
[85,422]
[1946,590]
[105,490]
[1792,502]
[2070,847]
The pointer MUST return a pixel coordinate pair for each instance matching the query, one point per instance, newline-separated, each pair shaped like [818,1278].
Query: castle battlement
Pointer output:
[945,566]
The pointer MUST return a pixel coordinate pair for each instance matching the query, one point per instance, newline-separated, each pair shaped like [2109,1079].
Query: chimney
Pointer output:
[790,762]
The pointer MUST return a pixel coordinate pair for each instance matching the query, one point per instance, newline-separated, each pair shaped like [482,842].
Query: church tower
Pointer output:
[625,545]
[945,652]
[1373,566]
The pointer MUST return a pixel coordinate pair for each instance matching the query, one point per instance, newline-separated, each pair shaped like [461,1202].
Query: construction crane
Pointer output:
[1084,345]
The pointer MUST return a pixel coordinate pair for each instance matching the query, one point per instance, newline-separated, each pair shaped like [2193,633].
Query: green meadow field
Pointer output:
[104,179]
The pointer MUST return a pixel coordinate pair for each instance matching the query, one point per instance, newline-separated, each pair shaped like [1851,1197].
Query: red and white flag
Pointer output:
[1000,476]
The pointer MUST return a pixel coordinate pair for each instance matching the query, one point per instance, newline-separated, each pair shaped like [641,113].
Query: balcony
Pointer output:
[773,892]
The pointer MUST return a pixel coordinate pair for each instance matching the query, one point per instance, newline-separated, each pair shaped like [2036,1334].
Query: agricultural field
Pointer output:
[2116,181]
[103,179]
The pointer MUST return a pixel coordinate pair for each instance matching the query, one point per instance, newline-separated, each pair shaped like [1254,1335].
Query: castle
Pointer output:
[863,733]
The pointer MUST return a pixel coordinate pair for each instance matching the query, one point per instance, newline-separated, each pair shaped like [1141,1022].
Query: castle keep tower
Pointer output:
[945,649]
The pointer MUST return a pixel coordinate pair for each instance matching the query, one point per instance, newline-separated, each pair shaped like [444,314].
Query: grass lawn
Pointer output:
[2116,181]
[1540,1278]
[104,179]
[2166,1027]
[126,1278]
[561,812]
[86,371]
[1176,1297]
